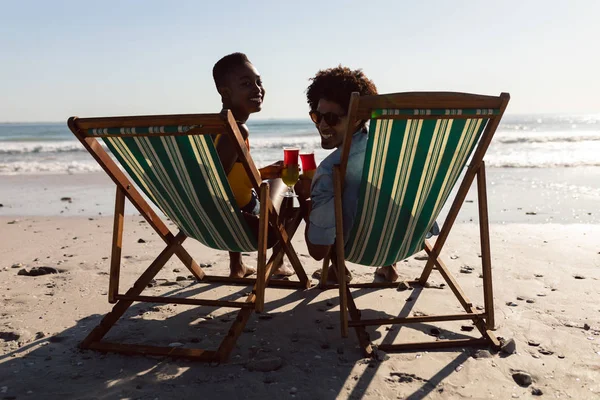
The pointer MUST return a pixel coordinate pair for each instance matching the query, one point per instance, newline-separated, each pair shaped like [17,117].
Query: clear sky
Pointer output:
[63,58]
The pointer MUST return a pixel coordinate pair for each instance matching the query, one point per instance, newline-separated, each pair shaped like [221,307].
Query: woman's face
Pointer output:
[244,89]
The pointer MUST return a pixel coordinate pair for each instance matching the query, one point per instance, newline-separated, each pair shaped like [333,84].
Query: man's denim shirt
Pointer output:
[321,230]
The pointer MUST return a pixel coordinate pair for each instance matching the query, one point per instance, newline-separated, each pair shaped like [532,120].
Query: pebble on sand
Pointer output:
[433,285]
[482,353]
[536,392]
[37,271]
[545,352]
[266,364]
[522,378]
[508,346]
[9,336]
[140,240]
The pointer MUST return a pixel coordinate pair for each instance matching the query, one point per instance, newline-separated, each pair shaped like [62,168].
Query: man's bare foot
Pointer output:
[240,270]
[388,273]
[331,275]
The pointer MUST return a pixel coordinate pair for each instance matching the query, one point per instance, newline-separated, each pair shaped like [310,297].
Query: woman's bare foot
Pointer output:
[241,271]
[389,273]
[237,268]
[283,270]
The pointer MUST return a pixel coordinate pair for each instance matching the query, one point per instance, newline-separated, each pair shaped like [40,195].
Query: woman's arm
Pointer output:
[226,149]
[272,171]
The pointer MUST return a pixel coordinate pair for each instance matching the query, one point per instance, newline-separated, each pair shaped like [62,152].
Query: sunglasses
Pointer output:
[330,118]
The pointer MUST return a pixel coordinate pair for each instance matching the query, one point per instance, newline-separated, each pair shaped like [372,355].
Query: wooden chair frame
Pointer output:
[360,109]
[206,124]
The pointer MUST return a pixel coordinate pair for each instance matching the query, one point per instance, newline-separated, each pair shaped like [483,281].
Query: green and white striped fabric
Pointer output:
[183,176]
[411,165]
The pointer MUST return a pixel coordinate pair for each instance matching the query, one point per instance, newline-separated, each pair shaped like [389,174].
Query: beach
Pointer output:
[546,295]
[544,232]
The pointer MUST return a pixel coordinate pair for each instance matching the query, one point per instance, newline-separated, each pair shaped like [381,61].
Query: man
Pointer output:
[328,96]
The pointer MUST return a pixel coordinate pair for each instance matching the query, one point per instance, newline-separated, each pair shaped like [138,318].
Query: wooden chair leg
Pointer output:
[486,259]
[464,301]
[263,231]
[449,222]
[361,332]
[234,333]
[339,250]
[284,239]
[140,284]
[341,269]
[117,244]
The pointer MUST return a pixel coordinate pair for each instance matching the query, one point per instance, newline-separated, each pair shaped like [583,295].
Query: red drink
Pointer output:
[308,161]
[290,155]
[309,165]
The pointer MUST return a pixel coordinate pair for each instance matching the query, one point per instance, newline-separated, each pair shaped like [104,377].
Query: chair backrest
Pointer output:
[413,159]
[178,168]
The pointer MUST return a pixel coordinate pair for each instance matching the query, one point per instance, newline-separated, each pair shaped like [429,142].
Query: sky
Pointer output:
[64,58]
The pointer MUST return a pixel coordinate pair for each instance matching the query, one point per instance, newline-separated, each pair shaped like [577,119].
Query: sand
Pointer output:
[546,295]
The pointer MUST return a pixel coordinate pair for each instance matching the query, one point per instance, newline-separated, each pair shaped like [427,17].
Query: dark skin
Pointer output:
[243,93]
[331,137]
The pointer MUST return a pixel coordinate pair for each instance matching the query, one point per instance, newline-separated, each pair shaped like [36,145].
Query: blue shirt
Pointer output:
[321,230]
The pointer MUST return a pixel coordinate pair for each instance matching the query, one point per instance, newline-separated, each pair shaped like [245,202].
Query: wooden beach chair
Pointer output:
[419,144]
[172,159]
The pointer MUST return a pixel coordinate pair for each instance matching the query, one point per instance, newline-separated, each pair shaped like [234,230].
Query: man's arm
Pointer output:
[316,251]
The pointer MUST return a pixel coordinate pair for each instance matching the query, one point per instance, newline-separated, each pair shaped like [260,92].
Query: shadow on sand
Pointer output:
[301,328]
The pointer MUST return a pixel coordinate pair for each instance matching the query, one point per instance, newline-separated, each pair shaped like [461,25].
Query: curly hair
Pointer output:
[337,84]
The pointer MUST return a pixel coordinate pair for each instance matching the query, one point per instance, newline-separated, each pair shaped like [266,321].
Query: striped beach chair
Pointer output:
[419,144]
[173,161]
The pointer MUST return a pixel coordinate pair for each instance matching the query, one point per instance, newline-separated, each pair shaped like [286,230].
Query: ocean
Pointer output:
[526,141]
[541,168]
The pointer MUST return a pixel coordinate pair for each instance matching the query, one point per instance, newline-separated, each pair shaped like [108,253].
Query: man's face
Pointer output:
[244,90]
[331,136]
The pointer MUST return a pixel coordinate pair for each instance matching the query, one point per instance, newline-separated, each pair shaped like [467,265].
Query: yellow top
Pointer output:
[238,181]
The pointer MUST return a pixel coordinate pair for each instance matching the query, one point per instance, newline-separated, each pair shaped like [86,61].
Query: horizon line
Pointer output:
[258,119]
